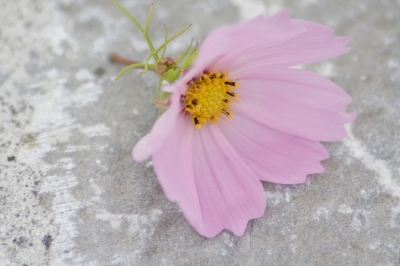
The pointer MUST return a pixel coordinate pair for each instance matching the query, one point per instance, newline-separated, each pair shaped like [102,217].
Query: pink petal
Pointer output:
[295,101]
[277,41]
[275,156]
[314,43]
[173,164]
[161,129]
[227,41]
[201,171]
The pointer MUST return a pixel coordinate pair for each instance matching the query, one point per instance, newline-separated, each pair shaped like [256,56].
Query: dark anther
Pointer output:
[194,102]
[225,100]
[230,93]
[188,106]
[196,121]
[213,76]
[230,83]
[225,112]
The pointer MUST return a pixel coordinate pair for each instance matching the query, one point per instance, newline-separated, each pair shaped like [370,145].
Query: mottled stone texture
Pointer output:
[71,195]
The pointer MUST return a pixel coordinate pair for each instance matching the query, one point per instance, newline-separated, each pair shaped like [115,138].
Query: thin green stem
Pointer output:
[146,64]
[148,19]
[172,38]
[145,32]
[165,40]
[160,80]
[128,15]
[163,46]
[185,52]
[130,67]
[189,59]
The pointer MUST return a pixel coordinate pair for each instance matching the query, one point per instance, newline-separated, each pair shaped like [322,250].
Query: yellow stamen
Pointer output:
[208,97]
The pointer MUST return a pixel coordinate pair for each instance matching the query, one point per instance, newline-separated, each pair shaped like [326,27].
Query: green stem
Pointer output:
[148,19]
[145,32]
[146,64]
[165,40]
[130,67]
[128,15]
[160,80]
[163,46]
[172,38]
[185,52]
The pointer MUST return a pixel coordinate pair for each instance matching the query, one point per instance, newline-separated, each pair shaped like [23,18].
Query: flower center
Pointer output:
[208,97]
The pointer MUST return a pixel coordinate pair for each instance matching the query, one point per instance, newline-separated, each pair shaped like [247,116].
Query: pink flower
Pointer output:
[241,115]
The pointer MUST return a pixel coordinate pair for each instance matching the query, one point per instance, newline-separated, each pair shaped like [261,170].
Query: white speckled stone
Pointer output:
[71,195]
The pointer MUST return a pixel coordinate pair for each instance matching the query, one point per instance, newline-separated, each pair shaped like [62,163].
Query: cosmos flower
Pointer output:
[241,114]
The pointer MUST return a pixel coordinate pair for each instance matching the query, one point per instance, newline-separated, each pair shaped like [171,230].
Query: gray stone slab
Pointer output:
[71,195]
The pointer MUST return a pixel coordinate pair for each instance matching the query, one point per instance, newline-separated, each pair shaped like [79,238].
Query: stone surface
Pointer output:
[71,195]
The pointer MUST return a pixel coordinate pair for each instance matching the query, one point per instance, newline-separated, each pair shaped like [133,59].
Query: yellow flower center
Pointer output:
[208,97]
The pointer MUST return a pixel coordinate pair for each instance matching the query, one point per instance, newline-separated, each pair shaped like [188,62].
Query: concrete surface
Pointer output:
[71,195]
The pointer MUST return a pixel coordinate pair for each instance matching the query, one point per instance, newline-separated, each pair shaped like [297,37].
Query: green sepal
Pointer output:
[172,75]
[188,62]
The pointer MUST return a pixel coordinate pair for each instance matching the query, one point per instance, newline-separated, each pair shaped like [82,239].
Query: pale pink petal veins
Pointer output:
[277,41]
[173,164]
[215,188]
[297,102]
[275,156]
[231,191]
[229,40]
[315,43]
